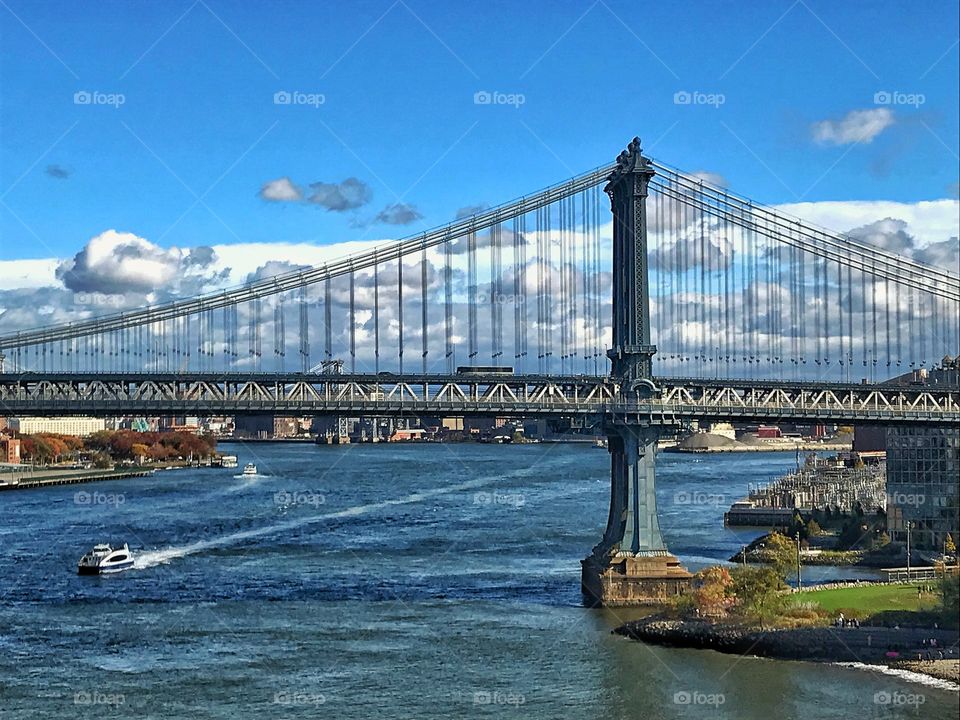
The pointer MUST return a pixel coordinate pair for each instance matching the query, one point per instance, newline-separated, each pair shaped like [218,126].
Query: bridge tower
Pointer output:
[631,564]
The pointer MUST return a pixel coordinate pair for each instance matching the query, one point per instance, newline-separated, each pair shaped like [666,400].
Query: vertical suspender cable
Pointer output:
[548,281]
[327,321]
[496,294]
[303,310]
[886,318]
[352,319]
[517,296]
[896,290]
[472,293]
[841,326]
[400,312]
[423,310]
[376,316]
[541,314]
[564,295]
[448,302]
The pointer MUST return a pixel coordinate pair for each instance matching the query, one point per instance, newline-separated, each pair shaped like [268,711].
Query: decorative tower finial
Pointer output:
[630,160]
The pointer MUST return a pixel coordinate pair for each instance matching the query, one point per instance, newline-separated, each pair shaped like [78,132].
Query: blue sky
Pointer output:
[776,88]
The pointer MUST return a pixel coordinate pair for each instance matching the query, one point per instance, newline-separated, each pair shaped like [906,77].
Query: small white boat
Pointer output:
[228,461]
[249,469]
[104,559]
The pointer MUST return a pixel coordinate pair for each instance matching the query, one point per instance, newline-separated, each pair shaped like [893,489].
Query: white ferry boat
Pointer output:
[229,461]
[104,559]
[249,469]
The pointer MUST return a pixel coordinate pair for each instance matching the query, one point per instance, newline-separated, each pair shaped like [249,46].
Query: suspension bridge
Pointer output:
[689,303]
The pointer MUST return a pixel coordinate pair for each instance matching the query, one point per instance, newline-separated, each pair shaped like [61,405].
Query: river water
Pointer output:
[382,581]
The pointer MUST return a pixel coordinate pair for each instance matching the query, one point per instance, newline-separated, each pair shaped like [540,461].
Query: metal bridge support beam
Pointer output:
[633,525]
[631,565]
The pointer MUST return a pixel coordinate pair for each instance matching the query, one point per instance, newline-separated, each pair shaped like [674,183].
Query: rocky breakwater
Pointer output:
[871,645]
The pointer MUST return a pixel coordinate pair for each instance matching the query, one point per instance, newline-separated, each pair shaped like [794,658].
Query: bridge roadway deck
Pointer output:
[387,394]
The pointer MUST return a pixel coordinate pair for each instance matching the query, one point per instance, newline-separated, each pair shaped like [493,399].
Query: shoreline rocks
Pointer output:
[868,645]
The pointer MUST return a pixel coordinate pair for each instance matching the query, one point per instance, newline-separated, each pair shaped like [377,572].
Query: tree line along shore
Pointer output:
[109,448]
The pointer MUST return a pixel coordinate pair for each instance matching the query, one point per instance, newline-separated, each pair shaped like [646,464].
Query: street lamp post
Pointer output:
[909,528]
[799,581]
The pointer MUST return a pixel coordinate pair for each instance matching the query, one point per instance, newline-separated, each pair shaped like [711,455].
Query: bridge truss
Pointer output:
[582,396]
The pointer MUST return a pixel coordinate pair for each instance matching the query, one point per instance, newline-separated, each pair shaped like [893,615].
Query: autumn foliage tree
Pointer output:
[49,447]
[712,591]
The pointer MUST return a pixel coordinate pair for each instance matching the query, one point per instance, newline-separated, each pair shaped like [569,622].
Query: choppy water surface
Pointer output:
[389,581]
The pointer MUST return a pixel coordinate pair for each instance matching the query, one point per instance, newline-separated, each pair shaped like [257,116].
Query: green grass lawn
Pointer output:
[871,599]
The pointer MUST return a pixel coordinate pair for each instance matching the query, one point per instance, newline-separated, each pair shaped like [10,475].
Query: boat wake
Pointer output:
[159,557]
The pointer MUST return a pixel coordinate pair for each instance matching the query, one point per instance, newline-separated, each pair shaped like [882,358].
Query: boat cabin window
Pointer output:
[118,558]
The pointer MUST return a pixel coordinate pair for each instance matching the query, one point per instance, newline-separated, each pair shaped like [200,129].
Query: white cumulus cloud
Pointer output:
[856,126]
[281,190]
[120,262]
